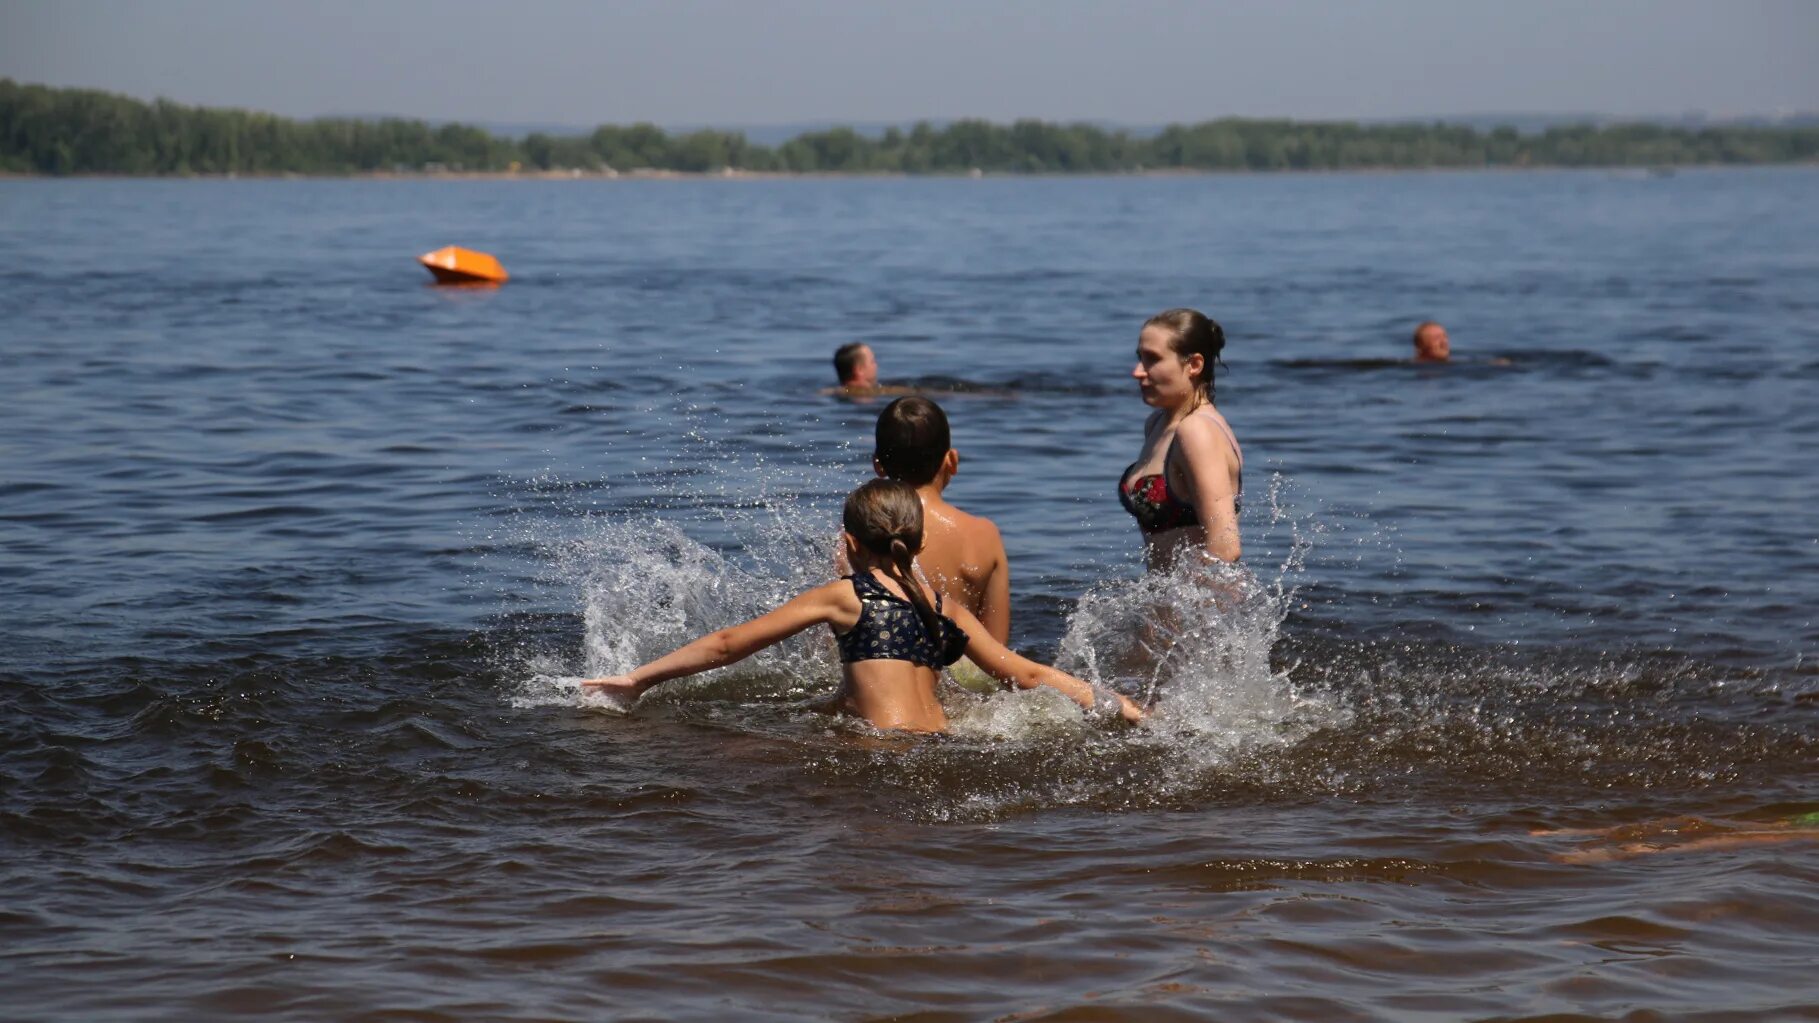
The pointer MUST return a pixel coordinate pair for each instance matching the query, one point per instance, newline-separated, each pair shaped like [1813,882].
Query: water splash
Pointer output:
[1195,644]
[1244,708]
[645,586]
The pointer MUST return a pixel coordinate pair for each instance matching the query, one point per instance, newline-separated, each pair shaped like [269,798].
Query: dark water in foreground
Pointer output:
[299,558]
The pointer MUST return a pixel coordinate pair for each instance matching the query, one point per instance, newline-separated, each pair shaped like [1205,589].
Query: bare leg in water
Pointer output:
[1679,835]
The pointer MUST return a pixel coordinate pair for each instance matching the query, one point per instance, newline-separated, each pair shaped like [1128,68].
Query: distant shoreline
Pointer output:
[67,132]
[647,174]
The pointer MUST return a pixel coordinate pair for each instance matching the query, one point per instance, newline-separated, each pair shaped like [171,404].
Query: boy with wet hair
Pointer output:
[962,554]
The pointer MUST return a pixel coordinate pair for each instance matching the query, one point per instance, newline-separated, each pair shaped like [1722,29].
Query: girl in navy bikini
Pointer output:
[893,637]
[1184,488]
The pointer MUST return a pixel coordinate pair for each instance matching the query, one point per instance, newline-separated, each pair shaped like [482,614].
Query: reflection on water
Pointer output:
[304,561]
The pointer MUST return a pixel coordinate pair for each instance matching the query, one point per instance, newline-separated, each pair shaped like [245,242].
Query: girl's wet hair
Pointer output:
[885,518]
[1192,332]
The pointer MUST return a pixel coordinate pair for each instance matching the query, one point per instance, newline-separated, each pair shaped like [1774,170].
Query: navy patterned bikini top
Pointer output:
[889,629]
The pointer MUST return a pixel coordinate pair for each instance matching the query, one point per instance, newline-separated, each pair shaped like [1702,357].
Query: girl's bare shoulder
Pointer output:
[839,595]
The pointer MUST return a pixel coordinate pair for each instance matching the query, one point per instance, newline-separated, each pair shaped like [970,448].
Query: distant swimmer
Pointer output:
[1431,343]
[1186,485]
[893,635]
[962,554]
[857,369]
[856,366]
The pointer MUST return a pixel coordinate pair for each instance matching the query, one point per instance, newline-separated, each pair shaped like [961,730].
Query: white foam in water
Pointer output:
[1195,643]
[646,587]
[1024,714]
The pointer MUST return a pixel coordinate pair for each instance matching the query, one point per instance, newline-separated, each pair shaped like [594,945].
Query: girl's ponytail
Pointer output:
[885,517]
[904,574]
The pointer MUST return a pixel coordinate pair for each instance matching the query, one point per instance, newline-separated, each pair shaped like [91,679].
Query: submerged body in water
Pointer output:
[1680,835]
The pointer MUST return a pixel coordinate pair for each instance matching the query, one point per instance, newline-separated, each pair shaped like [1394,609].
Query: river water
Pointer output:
[301,558]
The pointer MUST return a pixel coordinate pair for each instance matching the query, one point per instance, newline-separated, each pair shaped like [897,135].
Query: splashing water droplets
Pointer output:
[1193,644]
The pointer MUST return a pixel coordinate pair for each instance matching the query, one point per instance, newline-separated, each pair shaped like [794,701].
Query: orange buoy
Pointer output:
[456,265]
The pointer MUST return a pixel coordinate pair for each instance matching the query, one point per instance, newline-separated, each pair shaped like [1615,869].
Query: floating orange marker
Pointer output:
[456,265]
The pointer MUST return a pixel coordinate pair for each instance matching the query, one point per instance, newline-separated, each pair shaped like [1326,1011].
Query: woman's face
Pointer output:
[1164,378]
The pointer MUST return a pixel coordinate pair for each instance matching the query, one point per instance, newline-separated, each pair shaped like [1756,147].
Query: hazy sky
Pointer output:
[732,62]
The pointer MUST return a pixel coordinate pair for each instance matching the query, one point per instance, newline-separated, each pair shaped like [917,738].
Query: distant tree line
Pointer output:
[80,131]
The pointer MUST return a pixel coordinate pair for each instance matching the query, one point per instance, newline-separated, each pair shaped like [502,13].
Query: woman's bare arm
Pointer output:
[1207,459]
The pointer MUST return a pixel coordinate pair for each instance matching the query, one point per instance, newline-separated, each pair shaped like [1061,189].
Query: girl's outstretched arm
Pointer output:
[833,604]
[1004,664]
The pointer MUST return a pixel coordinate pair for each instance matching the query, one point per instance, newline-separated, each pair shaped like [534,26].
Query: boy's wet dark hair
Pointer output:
[912,440]
[846,359]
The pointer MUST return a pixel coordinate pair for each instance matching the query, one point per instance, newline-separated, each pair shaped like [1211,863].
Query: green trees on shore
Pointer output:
[80,131]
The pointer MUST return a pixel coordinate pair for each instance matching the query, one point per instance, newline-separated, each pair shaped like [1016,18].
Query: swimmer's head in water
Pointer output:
[1431,343]
[1196,339]
[884,519]
[913,440]
[855,365]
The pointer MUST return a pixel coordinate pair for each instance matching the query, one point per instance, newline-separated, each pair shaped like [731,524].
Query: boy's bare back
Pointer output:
[963,555]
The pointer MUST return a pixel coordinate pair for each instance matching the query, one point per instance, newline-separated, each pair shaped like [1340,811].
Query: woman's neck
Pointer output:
[1187,408]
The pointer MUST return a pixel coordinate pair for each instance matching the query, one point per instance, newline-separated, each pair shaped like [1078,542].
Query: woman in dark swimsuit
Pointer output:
[1185,486]
[893,639]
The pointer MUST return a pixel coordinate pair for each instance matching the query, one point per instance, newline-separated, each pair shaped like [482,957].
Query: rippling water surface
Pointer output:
[301,558]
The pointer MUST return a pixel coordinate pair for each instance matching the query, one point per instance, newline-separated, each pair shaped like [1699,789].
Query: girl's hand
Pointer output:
[1129,711]
[1110,703]
[1124,708]
[620,689]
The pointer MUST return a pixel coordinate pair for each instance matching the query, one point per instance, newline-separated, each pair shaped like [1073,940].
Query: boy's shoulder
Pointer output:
[976,526]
